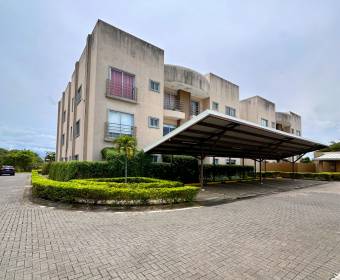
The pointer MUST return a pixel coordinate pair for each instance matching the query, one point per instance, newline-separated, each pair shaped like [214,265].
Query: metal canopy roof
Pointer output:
[216,134]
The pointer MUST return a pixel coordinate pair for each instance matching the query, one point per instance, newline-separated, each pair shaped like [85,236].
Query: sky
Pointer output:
[285,51]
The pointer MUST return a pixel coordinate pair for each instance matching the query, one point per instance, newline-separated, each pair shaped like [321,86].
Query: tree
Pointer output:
[23,160]
[305,160]
[334,147]
[126,145]
[50,156]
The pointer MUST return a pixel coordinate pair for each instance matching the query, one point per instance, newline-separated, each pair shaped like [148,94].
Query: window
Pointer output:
[71,133]
[154,158]
[77,129]
[264,122]
[215,161]
[273,125]
[230,111]
[63,118]
[76,157]
[72,104]
[78,95]
[292,130]
[232,161]
[153,122]
[121,84]
[215,106]
[63,139]
[167,128]
[298,132]
[154,86]
[195,108]
[119,124]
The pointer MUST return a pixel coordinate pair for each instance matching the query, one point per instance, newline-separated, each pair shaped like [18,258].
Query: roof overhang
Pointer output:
[329,156]
[216,134]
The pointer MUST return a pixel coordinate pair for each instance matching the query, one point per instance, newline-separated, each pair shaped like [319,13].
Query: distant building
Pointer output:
[258,110]
[327,161]
[288,122]
[120,85]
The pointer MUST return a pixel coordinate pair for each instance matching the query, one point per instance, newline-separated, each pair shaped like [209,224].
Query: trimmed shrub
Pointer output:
[183,169]
[111,192]
[65,171]
[222,172]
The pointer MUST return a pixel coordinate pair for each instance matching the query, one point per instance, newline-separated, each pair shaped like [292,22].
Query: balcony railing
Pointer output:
[113,130]
[174,105]
[122,93]
[194,111]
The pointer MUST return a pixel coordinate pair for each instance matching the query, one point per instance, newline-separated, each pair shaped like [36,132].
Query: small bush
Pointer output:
[138,191]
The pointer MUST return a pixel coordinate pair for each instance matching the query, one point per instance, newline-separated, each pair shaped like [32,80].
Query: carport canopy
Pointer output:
[217,135]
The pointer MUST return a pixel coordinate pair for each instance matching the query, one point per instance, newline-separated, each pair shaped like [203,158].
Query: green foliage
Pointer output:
[305,160]
[22,160]
[109,153]
[65,171]
[183,169]
[49,157]
[326,176]
[126,145]
[186,169]
[138,191]
[334,147]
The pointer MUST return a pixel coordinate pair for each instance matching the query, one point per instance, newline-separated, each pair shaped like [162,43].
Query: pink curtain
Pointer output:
[116,83]
[128,86]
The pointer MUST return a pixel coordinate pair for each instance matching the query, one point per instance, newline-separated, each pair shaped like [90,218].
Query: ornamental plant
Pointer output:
[126,145]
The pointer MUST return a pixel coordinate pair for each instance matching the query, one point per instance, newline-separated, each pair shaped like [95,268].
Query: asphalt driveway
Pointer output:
[288,235]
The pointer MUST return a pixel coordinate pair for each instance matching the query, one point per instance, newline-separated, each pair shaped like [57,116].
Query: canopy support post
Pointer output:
[214,165]
[293,168]
[243,169]
[202,171]
[255,168]
[260,161]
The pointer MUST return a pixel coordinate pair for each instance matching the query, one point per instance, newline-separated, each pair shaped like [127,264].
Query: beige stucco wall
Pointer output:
[123,51]
[255,108]
[289,121]
[224,93]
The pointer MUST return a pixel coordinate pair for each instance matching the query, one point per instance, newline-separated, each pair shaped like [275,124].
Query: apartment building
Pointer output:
[120,85]
[289,122]
[258,110]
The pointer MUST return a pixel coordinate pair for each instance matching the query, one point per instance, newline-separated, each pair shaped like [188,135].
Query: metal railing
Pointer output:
[194,111]
[130,94]
[113,130]
[174,105]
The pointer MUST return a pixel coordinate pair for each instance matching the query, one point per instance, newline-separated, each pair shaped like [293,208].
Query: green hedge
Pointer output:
[327,176]
[184,169]
[94,191]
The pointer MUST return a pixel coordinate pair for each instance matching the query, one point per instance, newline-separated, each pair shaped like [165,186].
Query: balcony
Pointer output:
[173,109]
[174,105]
[124,93]
[113,130]
[194,111]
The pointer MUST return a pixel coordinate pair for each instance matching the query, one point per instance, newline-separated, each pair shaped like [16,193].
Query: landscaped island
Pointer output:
[113,191]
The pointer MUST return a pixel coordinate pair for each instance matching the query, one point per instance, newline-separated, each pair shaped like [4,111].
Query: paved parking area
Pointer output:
[288,235]
[226,192]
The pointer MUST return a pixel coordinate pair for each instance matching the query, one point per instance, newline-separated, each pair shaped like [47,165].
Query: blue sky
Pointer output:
[285,51]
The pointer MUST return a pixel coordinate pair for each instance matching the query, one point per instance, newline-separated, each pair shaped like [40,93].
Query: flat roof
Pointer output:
[215,134]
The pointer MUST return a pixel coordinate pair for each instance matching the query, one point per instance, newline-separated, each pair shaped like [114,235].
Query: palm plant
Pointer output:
[126,145]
